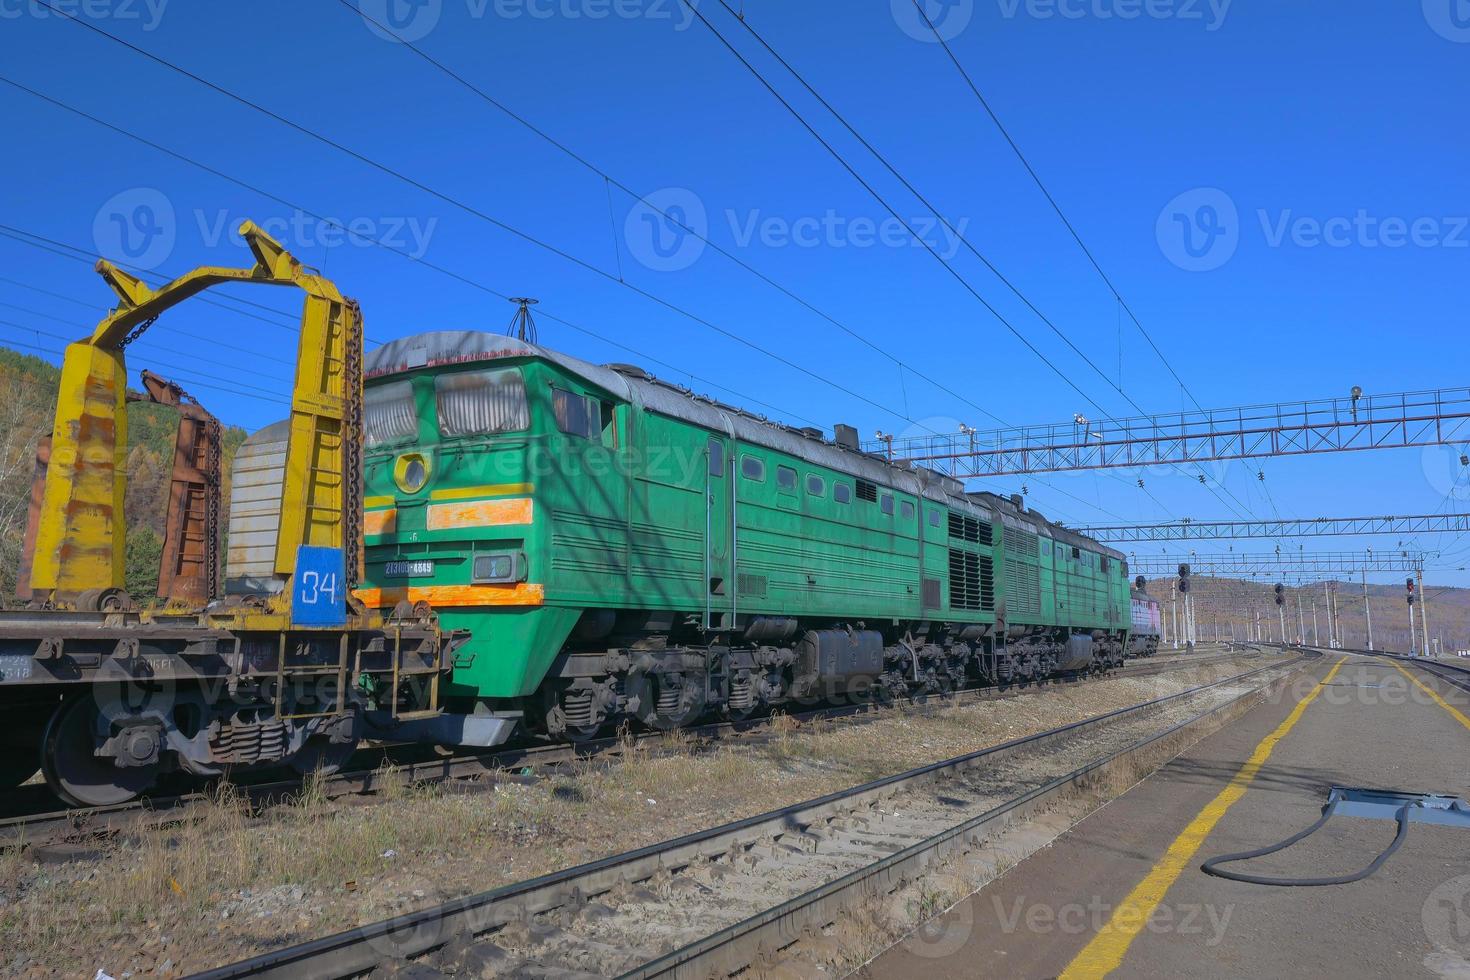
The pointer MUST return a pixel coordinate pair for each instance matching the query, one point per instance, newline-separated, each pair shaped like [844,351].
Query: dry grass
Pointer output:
[232,883]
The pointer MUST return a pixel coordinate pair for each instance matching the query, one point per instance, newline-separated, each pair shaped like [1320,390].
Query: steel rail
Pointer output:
[30,829]
[1453,674]
[359,951]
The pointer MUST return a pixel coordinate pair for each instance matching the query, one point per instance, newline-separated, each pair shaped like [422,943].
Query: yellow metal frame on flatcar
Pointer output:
[80,543]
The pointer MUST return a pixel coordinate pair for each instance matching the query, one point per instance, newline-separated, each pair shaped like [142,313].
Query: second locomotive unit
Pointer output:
[617,547]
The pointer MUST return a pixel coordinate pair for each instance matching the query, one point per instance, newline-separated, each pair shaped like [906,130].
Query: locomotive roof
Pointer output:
[631,384]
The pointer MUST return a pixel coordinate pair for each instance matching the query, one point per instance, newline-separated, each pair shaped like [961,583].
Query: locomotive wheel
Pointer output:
[577,734]
[741,703]
[321,754]
[73,770]
[676,700]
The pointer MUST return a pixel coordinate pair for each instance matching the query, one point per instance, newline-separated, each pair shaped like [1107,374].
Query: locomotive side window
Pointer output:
[934,518]
[906,510]
[886,504]
[574,413]
[716,458]
[753,469]
[481,402]
[816,486]
[388,413]
[842,493]
[785,478]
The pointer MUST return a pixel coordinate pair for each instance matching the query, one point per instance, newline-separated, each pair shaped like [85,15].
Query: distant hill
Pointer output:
[1233,602]
[27,410]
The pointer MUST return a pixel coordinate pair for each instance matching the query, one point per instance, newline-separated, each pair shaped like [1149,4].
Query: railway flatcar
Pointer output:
[1143,639]
[617,547]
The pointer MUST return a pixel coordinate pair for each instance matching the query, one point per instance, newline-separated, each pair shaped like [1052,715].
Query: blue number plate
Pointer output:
[319,587]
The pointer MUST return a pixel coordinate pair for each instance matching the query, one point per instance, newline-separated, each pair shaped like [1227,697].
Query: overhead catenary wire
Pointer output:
[77,254]
[613,182]
[168,352]
[193,380]
[897,174]
[893,212]
[164,327]
[358,236]
[401,252]
[867,186]
[471,210]
[1117,294]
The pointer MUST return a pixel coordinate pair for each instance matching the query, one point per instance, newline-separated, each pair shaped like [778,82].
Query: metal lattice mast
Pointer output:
[1189,530]
[1354,423]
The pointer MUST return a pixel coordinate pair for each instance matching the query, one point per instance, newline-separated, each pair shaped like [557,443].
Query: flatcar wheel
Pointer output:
[73,770]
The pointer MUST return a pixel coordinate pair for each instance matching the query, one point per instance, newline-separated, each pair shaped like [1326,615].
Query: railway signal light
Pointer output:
[1409,584]
[1280,594]
[1183,578]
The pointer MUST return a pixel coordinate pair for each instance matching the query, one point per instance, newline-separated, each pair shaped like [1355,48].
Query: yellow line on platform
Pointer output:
[1105,952]
[1459,715]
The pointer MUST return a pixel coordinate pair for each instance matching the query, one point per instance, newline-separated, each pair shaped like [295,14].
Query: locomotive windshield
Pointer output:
[481,402]
[388,413]
[468,403]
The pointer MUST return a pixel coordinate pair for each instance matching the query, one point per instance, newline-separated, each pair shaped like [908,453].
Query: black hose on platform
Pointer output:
[1212,866]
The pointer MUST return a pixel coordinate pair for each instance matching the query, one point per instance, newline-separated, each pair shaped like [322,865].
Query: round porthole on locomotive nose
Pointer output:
[411,472]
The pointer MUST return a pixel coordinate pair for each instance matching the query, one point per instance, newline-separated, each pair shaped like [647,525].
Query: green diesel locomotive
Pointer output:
[618,547]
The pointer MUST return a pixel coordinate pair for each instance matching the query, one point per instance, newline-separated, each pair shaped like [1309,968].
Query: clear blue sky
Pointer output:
[1270,119]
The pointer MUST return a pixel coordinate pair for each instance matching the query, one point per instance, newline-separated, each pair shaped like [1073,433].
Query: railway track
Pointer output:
[762,892]
[1452,674]
[34,820]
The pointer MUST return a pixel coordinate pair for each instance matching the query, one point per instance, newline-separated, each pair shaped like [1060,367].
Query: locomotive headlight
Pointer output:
[501,567]
[411,472]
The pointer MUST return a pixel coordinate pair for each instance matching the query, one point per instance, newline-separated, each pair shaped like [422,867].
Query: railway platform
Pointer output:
[1123,894]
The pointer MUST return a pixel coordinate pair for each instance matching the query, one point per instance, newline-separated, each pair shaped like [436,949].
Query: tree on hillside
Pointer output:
[27,408]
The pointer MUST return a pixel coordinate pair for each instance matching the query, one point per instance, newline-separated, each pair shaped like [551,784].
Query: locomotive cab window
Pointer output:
[753,469]
[842,493]
[785,478]
[816,486]
[474,403]
[389,413]
[609,426]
